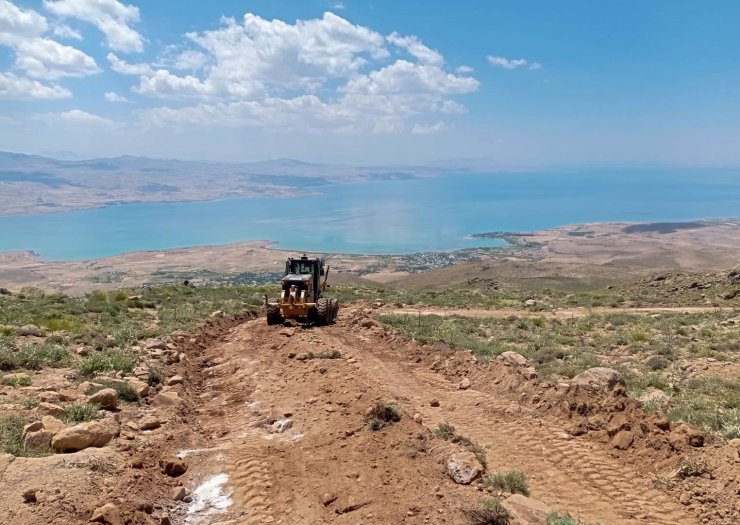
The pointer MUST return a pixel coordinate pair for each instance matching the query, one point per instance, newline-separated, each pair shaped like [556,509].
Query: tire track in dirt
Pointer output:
[573,475]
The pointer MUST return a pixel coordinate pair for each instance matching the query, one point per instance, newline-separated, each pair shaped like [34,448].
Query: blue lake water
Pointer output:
[386,216]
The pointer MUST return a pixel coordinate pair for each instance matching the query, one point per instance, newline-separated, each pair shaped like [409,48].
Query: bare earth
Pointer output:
[329,467]
[590,254]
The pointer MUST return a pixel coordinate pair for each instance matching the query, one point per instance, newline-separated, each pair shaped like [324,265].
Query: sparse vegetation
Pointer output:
[125,391]
[155,377]
[333,354]
[491,511]
[16,380]
[81,412]
[11,435]
[449,433]
[108,361]
[555,518]
[692,467]
[381,414]
[512,481]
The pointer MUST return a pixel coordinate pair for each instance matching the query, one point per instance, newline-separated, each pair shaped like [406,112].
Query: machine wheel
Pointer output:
[323,311]
[273,314]
[334,309]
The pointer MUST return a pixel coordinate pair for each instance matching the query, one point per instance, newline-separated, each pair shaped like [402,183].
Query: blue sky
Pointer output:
[528,83]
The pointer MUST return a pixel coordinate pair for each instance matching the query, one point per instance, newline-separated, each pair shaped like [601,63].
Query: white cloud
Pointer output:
[77,117]
[513,63]
[125,68]
[19,23]
[46,58]
[110,96]
[111,17]
[416,48]
[64,31]
[428,129]
[190,60]
[18,88]
[464,70]
[338,5]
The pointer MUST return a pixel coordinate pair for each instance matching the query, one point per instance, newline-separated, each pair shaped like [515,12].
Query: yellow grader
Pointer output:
[301,295]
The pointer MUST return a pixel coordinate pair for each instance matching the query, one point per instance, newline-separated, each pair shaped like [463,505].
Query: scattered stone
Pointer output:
[49,397]
[418,418]
[38,441]
[173,466]
[526,511]
[166,399]
[464,384]
[175,380]
[528,372]
[33,427]
[623,440]
[106,398]
[179,493]
[328,498]
[29,496]
[30,330]
[695,437]
[655,396]
[139,386]
[149,423]
[155,344]
[107,514]
[281,425]
[661,422]
[530,302]
[513,358]
[434,403]
[50,410]
[303,357]
[87,387]
[82,436]
[463,468]
[599,376]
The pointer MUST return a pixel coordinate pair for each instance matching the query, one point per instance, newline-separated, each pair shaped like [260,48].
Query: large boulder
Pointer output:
[52,424]
[50,409]
[526,511]
[80,437]
[510,358]
[38,441]
[599,376]
[463,468]
[106,398]
[30,330]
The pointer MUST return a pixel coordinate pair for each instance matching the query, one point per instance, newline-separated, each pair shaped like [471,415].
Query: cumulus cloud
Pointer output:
[64,31]
[464,70]
[23,30]
[19,88]
[322,74]
[514,63]
[111,17]
[111,96]
[77,116]
[428,129]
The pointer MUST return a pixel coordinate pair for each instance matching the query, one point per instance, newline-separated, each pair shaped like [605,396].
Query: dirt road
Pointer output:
[328,467]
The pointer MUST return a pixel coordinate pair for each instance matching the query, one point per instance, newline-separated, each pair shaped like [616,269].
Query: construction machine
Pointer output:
[301,295]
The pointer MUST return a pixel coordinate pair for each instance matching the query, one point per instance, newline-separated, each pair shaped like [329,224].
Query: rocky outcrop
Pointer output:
[463,468]
[80,437]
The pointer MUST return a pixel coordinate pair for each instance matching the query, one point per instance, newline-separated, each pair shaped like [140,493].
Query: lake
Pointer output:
[402,216]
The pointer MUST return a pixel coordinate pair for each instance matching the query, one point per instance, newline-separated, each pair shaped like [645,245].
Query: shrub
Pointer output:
[334,354]
[381,414]
[108,361]
[125,391]
[34,357]
[691,467]
[155,377]
[513,481]
[490,512]
[11,435]
[445,431]
[17,380]
[553,518]
[81,412]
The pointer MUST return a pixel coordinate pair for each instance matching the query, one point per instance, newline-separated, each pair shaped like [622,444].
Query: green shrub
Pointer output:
[553,518]
[155,377]
[17,380]
[513,482]
[33,357]
[125,391]
[81,412]
[108,361]
[11,435]
[490,512]
[381,414]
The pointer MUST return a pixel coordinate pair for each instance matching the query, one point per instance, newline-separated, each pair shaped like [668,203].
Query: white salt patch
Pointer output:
[209,498]
[189,452]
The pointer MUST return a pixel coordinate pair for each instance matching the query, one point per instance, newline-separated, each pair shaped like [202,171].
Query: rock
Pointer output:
[327,498]
[30,330]
[106,398]
[29,496]
[33,427]
[617,423]
[179,493]
[149,423]
[303,357]
[49,397]
[599,376]
[173,466]
[281,425]
[526,511]
[155,344]
[107,514]
[661,422]
[50,410]
[175,380]
[656,362]
[463,468]
[528,372]
[530,302]
[88,387]
[464,384]
[510,358]
[434,403]
[655,396]
[166,399]
[623,440]
[38,441]
[418,418]
[141,388]
[82,436]
[694,437]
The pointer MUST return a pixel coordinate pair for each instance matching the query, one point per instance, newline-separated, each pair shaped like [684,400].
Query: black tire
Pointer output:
[334,309]
[273,314]
[323,311]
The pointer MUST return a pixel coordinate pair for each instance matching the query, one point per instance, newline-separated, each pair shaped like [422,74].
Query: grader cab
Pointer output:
[301,294]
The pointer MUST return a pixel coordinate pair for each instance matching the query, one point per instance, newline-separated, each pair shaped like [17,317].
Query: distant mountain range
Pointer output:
[36,184]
